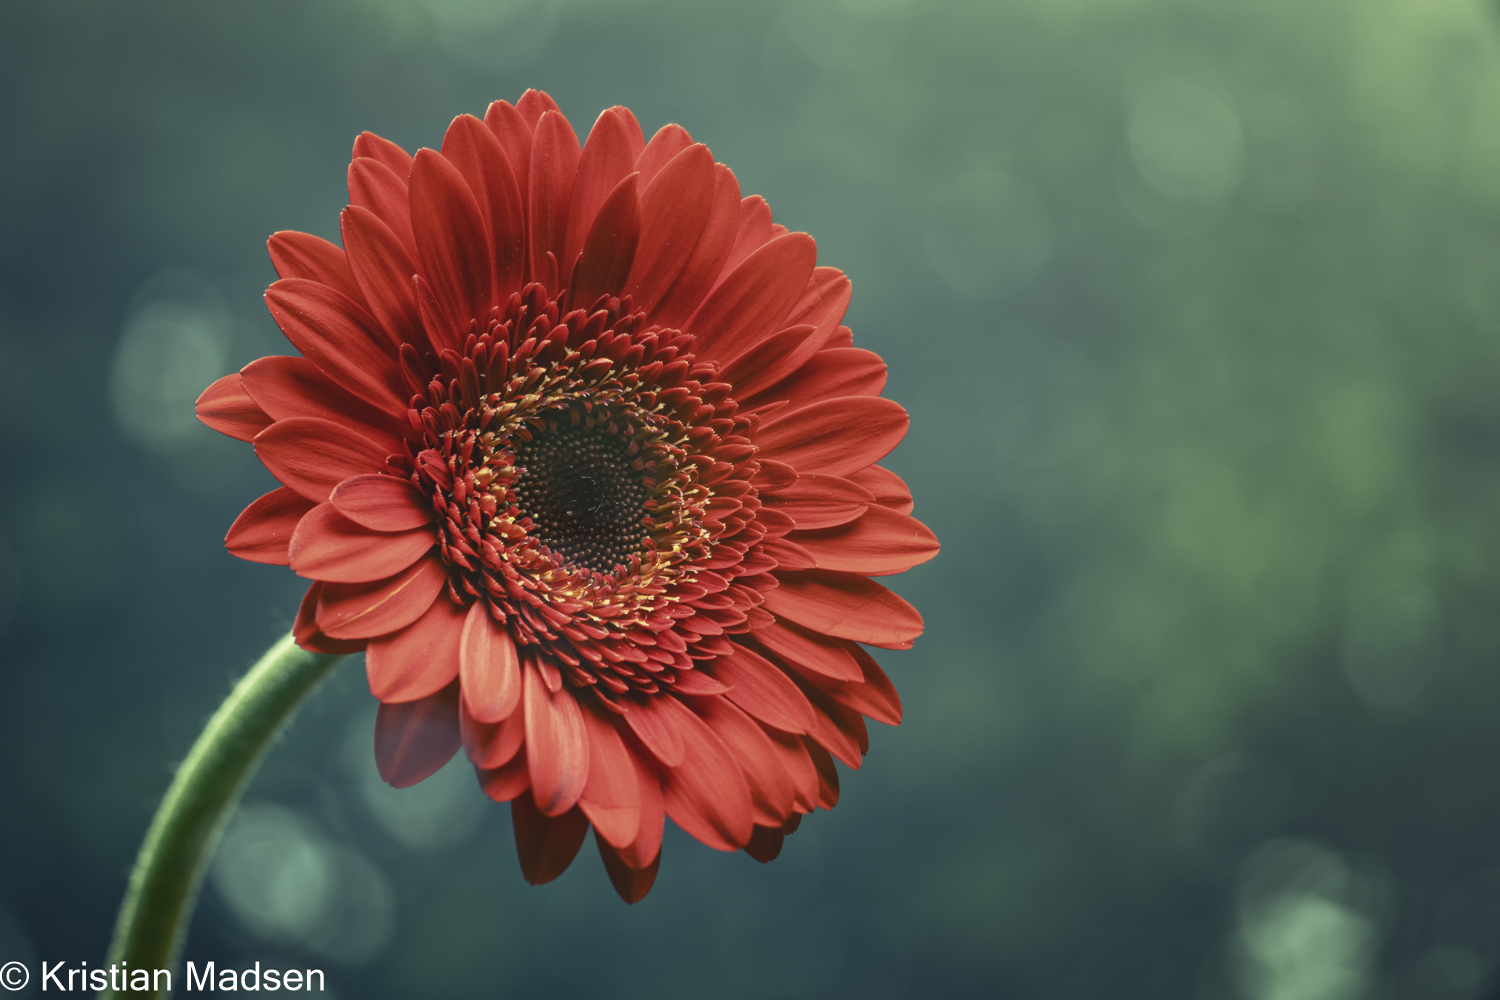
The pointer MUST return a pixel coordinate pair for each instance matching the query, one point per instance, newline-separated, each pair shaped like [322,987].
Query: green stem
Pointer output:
[169,870]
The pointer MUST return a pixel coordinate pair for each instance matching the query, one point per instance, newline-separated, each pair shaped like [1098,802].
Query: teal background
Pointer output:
[1195,308]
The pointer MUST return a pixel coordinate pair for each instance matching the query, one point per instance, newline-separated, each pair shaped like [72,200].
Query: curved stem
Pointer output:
[169,870]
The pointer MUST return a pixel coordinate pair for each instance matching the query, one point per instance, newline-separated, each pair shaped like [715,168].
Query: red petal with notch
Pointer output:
[811,650]
[611,798]
[554,161]
[764,690]
[817,501]
[557,751]
[376,187]
[791,750]
[675,208]
[888,488]
[643,852]
[382,503]
[312,456]
[753,231]
[414,739]
[263,531]
[843,605]
[838,728]
[286,387]
[879,543]
[383,268]
[507,125]
[366,610]
[835,436]
[756,296]
[489,668]
[873,695]
[305,628]
[328,546]
[480,158]
[338,336]
[611,245]
[228,408]
[452,244]
[419,659]
[303,255]
[824,301]
[546,845]
[632,884]
[607,157]
[533,104]
[706,794]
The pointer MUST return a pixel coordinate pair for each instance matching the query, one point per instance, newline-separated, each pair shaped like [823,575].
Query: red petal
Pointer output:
[492,744]
[382,503]
[835,436]
[763,690]
[610,248]
[647,846]
[843,605]
[366,610]
[419,659]
[663,147]
[489,670]
[838,728]
[376,187]
[698,274]
[383,268]
[631,883]
[611,799]
[607,156]
[753,232]
[706,794]
[533,104]
[227,408]
[820,654]
[792,752]
[313,456]
[263,531]
[788,555]
[507,125]
[328,546]
[343,340]
[873,694]
[818,501]
[765,844]
[675,208]
[649,721]
[305,629]
[480,158]
[772,791]
[414,739]
[387,152]
[756,296]
[832,372]
[554,161]
[557,751]
[506,782]
[828,775]
[303,255]
[546,845]
[452,245]
[288,387]
[824,301]
[879,543]
[888,488]
[763,363]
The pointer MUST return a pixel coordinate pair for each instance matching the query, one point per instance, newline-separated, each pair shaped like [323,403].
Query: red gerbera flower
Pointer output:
[579,454]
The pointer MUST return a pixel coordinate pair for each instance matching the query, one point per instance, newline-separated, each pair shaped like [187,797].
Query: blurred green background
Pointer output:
[1196,309]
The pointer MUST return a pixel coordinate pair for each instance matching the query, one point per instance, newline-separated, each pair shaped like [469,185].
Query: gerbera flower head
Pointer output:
[578,453]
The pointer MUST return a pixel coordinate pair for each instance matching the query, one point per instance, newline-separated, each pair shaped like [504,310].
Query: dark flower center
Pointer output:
[584,499]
